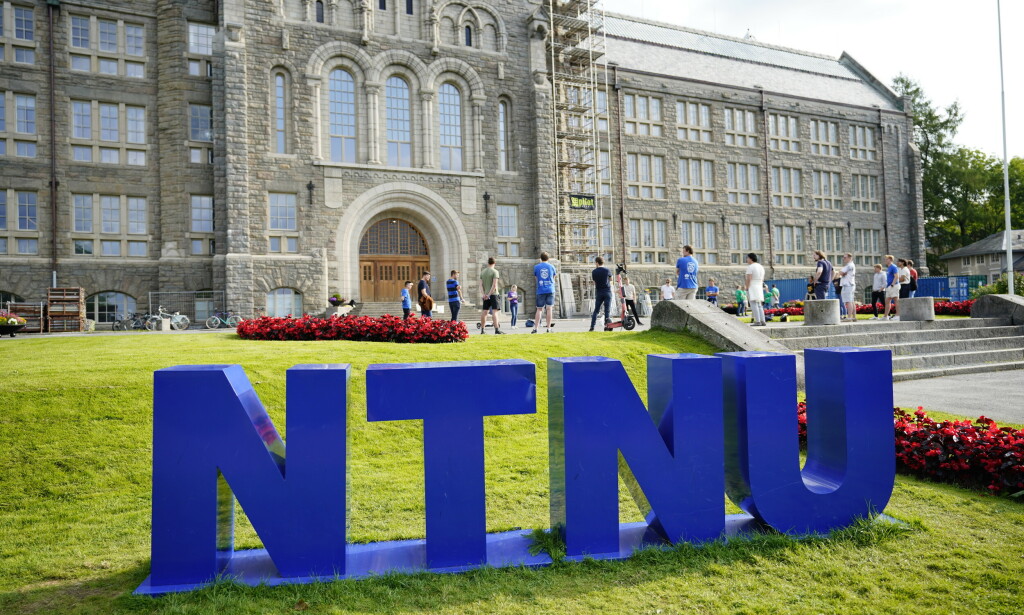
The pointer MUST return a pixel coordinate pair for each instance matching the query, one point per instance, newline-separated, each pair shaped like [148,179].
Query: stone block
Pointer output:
[917,308]
[998,306]
[821,312]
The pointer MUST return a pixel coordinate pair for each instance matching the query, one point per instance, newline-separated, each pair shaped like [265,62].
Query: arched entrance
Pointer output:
[390,252]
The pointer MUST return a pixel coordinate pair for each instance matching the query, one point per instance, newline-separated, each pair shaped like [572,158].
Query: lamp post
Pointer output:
[1007,235]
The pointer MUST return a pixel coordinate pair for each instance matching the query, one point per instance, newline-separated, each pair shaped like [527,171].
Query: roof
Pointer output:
[993,244]
[705,56]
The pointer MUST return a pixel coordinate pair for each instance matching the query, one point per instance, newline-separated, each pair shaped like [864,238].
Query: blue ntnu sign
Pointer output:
[711,424]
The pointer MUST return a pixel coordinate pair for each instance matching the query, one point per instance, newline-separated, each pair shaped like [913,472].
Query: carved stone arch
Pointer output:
[449,31]
[398,57]
[477,9]
[458,67]
[315,65]
[469,16]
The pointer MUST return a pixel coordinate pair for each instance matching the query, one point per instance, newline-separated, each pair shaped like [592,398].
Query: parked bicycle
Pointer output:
[179,322]
[131,322]
[223,319]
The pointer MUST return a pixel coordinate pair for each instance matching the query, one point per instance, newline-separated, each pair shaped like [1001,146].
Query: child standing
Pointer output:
[406,300]
[513,304]
[712,292]
[741,301]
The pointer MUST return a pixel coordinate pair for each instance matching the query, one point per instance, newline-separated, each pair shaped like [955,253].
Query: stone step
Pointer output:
[897,337]
[906,349]
[956,359]
[879,326]
[978,368]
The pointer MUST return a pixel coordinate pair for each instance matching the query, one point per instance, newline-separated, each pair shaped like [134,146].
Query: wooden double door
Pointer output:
[391,252]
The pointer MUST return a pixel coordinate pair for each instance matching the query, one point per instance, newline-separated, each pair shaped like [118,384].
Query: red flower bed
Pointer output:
[355,328]
[954,308]
[791,311]
[977,454]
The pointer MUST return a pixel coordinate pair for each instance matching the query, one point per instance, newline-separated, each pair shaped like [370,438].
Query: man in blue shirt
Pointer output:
[822,275]
[686,270]
[892,285]
[545,274]
[454,294]
[406,300]
[602,291]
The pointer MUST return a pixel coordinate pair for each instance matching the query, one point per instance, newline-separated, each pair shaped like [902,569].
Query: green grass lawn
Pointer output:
[75,426]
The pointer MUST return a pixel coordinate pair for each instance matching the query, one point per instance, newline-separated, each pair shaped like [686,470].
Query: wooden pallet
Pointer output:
[76,310]
[65,325]
[76,295]
[26,310]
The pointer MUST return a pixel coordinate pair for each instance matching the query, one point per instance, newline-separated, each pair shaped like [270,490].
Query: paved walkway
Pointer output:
[997,395]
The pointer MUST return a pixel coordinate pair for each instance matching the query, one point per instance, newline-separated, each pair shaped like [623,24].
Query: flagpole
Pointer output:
[1007,236]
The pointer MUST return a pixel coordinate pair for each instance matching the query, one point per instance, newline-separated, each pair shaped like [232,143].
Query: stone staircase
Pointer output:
[920,349]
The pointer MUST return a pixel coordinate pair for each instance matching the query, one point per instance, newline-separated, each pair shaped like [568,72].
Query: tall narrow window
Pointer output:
[27,213]
[136,215]
[503,162]
[319,11]
[202,214]
[109,123]
[469,36]
[135,124]
[83,213]
[399,122]
[24,24]
[81,120]
[408,7]
[451,127]
[382,5]
[25,114]
[110,214]
[280,134]
[342,112]
[200,119]
[80,32]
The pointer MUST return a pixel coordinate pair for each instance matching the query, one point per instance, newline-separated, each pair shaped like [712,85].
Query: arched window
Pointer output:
[6,297]
[106,306]
[399,122]
[319,11]
[469,36]
[342,96]
[280,118]
[503,160]
[450,101]
[283,302]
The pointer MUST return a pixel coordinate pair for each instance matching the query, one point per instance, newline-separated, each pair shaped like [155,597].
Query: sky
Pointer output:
[950,47]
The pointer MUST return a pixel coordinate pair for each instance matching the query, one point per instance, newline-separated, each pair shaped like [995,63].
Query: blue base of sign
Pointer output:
[506,549]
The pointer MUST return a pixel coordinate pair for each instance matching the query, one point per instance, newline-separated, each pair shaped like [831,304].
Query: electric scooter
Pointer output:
[627,321]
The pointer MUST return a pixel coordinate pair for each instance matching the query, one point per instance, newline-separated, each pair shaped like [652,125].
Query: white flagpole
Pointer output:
[1007,236]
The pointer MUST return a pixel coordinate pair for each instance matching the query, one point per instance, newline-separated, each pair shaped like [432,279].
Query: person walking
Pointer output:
[454,294]
[423,296]
[822,275]
[667,290]
[776,293]
[904,272]
[629,296]
[686,270]
[877,289]
[755,290]
[490,297]
[836,288]
[892,286]
[741,301]
[711,292]
[513,305]
[544,272]
[602,278]
[913,277]
[848,286]
[406,300]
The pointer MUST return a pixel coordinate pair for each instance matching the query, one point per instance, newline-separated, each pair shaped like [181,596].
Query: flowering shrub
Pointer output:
[355,328]
[954,308]
[792,311]
[10,318]
[977,454]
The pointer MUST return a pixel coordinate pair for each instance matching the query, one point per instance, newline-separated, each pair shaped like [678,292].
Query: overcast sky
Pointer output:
[950,47]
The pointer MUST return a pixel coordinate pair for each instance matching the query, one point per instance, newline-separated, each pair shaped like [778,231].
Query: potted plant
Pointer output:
[10,323]
[335,300]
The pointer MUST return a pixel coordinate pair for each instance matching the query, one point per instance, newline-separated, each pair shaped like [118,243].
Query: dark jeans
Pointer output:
[905,291]
[514,308]
[605,298]
[632,308]
[455,306]
[820,290]
[406,312]
[877,297]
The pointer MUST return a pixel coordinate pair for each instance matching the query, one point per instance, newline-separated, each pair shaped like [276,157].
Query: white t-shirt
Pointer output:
[629,292]
[904,275]
[755,292]
[849,272]
[878,282]
[667,292]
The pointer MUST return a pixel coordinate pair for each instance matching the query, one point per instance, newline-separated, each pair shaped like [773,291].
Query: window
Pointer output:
[824,138]
[25,114]
[202,214]
[399,122]
[81,63]
[24,56]
[28,219]
[28,246]
[280,123]
[696,180]
[825,186]
[643,115]
[138,249]
[81,120]
[865,192]
[408,7]
[867,246]
[469,36]
[136,124]
[80,32]
[282,302]
[108,36]
[3,250]
[694,121]
[3,209]
[382,5]
[862,142]
[200,38]
[108,306]
[136,215]
[319,11]
[503,162]
[109,124]
[82,205]
[701,237]
[648,241]
[110,214]
[742,183]
[110,248]
[450,103]
[134,40]
[965,261]
[789,245]
[602,110]
[342,110]
[102,51]
[645,176]
[604,174]
[786,187]
[24,24]
[783,133]
[83,247]
[200,122]
[282,212]
[508,230]
[829,239]
[110,156]
[743,239]
[740,128]
[134,70]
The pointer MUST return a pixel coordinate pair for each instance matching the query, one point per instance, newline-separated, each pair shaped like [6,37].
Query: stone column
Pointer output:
[478,134]
[373,132]
[429,138]
[318,126]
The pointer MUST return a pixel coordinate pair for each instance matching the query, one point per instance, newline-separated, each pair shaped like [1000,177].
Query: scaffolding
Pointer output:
[576,41]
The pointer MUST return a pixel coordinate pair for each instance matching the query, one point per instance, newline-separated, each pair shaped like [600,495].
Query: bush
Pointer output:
[1000,287]
[355,328]
[10,318]
[953,308]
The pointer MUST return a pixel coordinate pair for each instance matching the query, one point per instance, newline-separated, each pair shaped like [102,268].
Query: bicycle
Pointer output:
[225,319]
[179,322]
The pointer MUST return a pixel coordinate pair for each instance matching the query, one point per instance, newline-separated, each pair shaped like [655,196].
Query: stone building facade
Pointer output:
[283,150]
